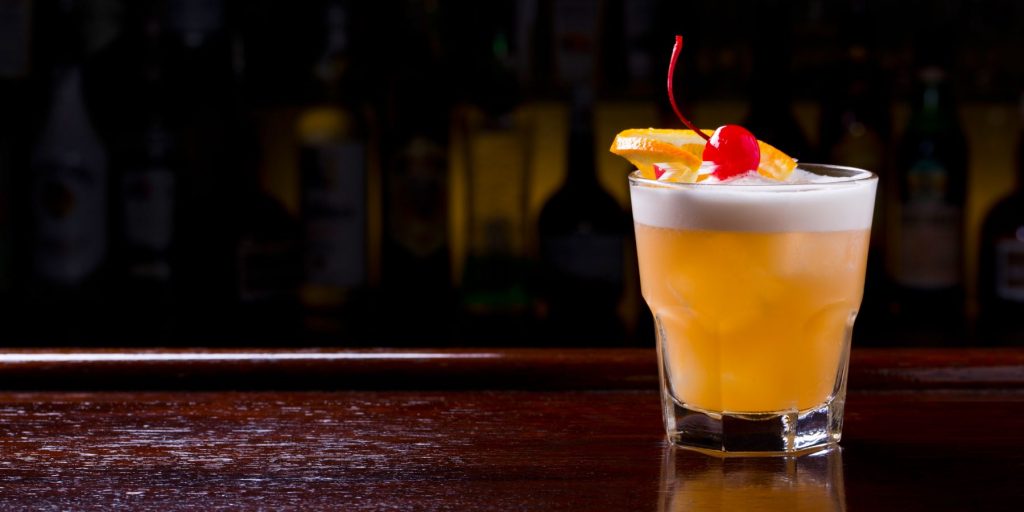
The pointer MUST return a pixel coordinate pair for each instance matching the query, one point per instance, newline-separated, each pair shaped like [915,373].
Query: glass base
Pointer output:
[746,434]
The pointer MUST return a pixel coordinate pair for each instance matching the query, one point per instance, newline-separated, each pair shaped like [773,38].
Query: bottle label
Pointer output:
[1010,270]
[334,214]
[149,208]
[418,197]
[930,246]
[639,23]
[930,230]
[576,34]
[588,257]
[69,210]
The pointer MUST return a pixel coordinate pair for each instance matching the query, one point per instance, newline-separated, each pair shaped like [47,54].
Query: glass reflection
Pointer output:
[694,481]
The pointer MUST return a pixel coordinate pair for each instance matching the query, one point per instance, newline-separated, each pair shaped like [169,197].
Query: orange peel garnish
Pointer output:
[774,163]
[646,147]
[682,150]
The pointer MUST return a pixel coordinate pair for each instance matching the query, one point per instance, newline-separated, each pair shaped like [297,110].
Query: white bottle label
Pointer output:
[1010,270]
[149,208]
[69,209]
[334,213]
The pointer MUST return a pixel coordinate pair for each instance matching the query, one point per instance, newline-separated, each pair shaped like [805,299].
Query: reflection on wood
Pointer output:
[695,481]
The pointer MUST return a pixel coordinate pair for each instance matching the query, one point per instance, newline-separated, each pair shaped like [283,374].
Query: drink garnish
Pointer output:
[731,150]
[646,147]
[667,171]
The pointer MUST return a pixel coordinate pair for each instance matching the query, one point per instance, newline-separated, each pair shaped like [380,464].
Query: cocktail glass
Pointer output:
[754,290]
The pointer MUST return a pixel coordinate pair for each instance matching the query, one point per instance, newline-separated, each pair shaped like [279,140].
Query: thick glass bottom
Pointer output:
[746,434]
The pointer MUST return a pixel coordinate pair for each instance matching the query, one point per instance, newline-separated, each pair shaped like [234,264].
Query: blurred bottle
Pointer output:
[925,249]
[334,192]
[1001,265]
[200,84]
[141,131]
[146,229]
[855,131]
[626,97]
[268,255]
[68,195]
[416,272]
[640,47]
[576,42]
[497,146]
[612,66]
[15,34]
[855,120]
[540,80]
[582,245]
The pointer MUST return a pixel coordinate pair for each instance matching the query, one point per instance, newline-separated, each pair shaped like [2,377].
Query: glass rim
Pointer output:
[856,175]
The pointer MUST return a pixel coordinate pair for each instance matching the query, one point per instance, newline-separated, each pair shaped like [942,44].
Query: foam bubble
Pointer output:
[806,202]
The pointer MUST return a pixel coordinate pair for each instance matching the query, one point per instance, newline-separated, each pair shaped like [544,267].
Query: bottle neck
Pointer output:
[196,22]
[332,67]
[933,102]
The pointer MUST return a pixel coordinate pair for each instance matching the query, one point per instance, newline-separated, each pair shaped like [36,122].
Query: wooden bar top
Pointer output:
[503,368]
[925,430]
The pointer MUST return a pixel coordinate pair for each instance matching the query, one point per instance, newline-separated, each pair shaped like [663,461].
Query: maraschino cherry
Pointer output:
[732,148]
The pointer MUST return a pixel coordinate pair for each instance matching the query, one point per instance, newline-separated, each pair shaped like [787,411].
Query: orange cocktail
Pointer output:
[754,271]
[754,286]
[752,322]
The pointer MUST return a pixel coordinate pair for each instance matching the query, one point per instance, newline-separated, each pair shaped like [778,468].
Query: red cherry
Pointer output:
[733,150]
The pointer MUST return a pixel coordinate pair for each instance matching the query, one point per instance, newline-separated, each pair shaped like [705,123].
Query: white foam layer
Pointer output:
[823,205]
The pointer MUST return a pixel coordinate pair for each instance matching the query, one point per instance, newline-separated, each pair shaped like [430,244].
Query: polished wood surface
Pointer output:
[496,450]
[944,433]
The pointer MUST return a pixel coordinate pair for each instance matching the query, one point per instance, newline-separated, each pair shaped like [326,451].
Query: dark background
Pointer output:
[215,157]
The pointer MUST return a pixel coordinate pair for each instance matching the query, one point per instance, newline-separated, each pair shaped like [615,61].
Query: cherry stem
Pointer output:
[676,49]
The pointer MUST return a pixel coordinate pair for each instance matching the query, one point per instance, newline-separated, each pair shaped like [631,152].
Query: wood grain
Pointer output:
[486,450]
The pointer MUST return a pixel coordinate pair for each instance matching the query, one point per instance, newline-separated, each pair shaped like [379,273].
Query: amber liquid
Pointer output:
[752,322]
